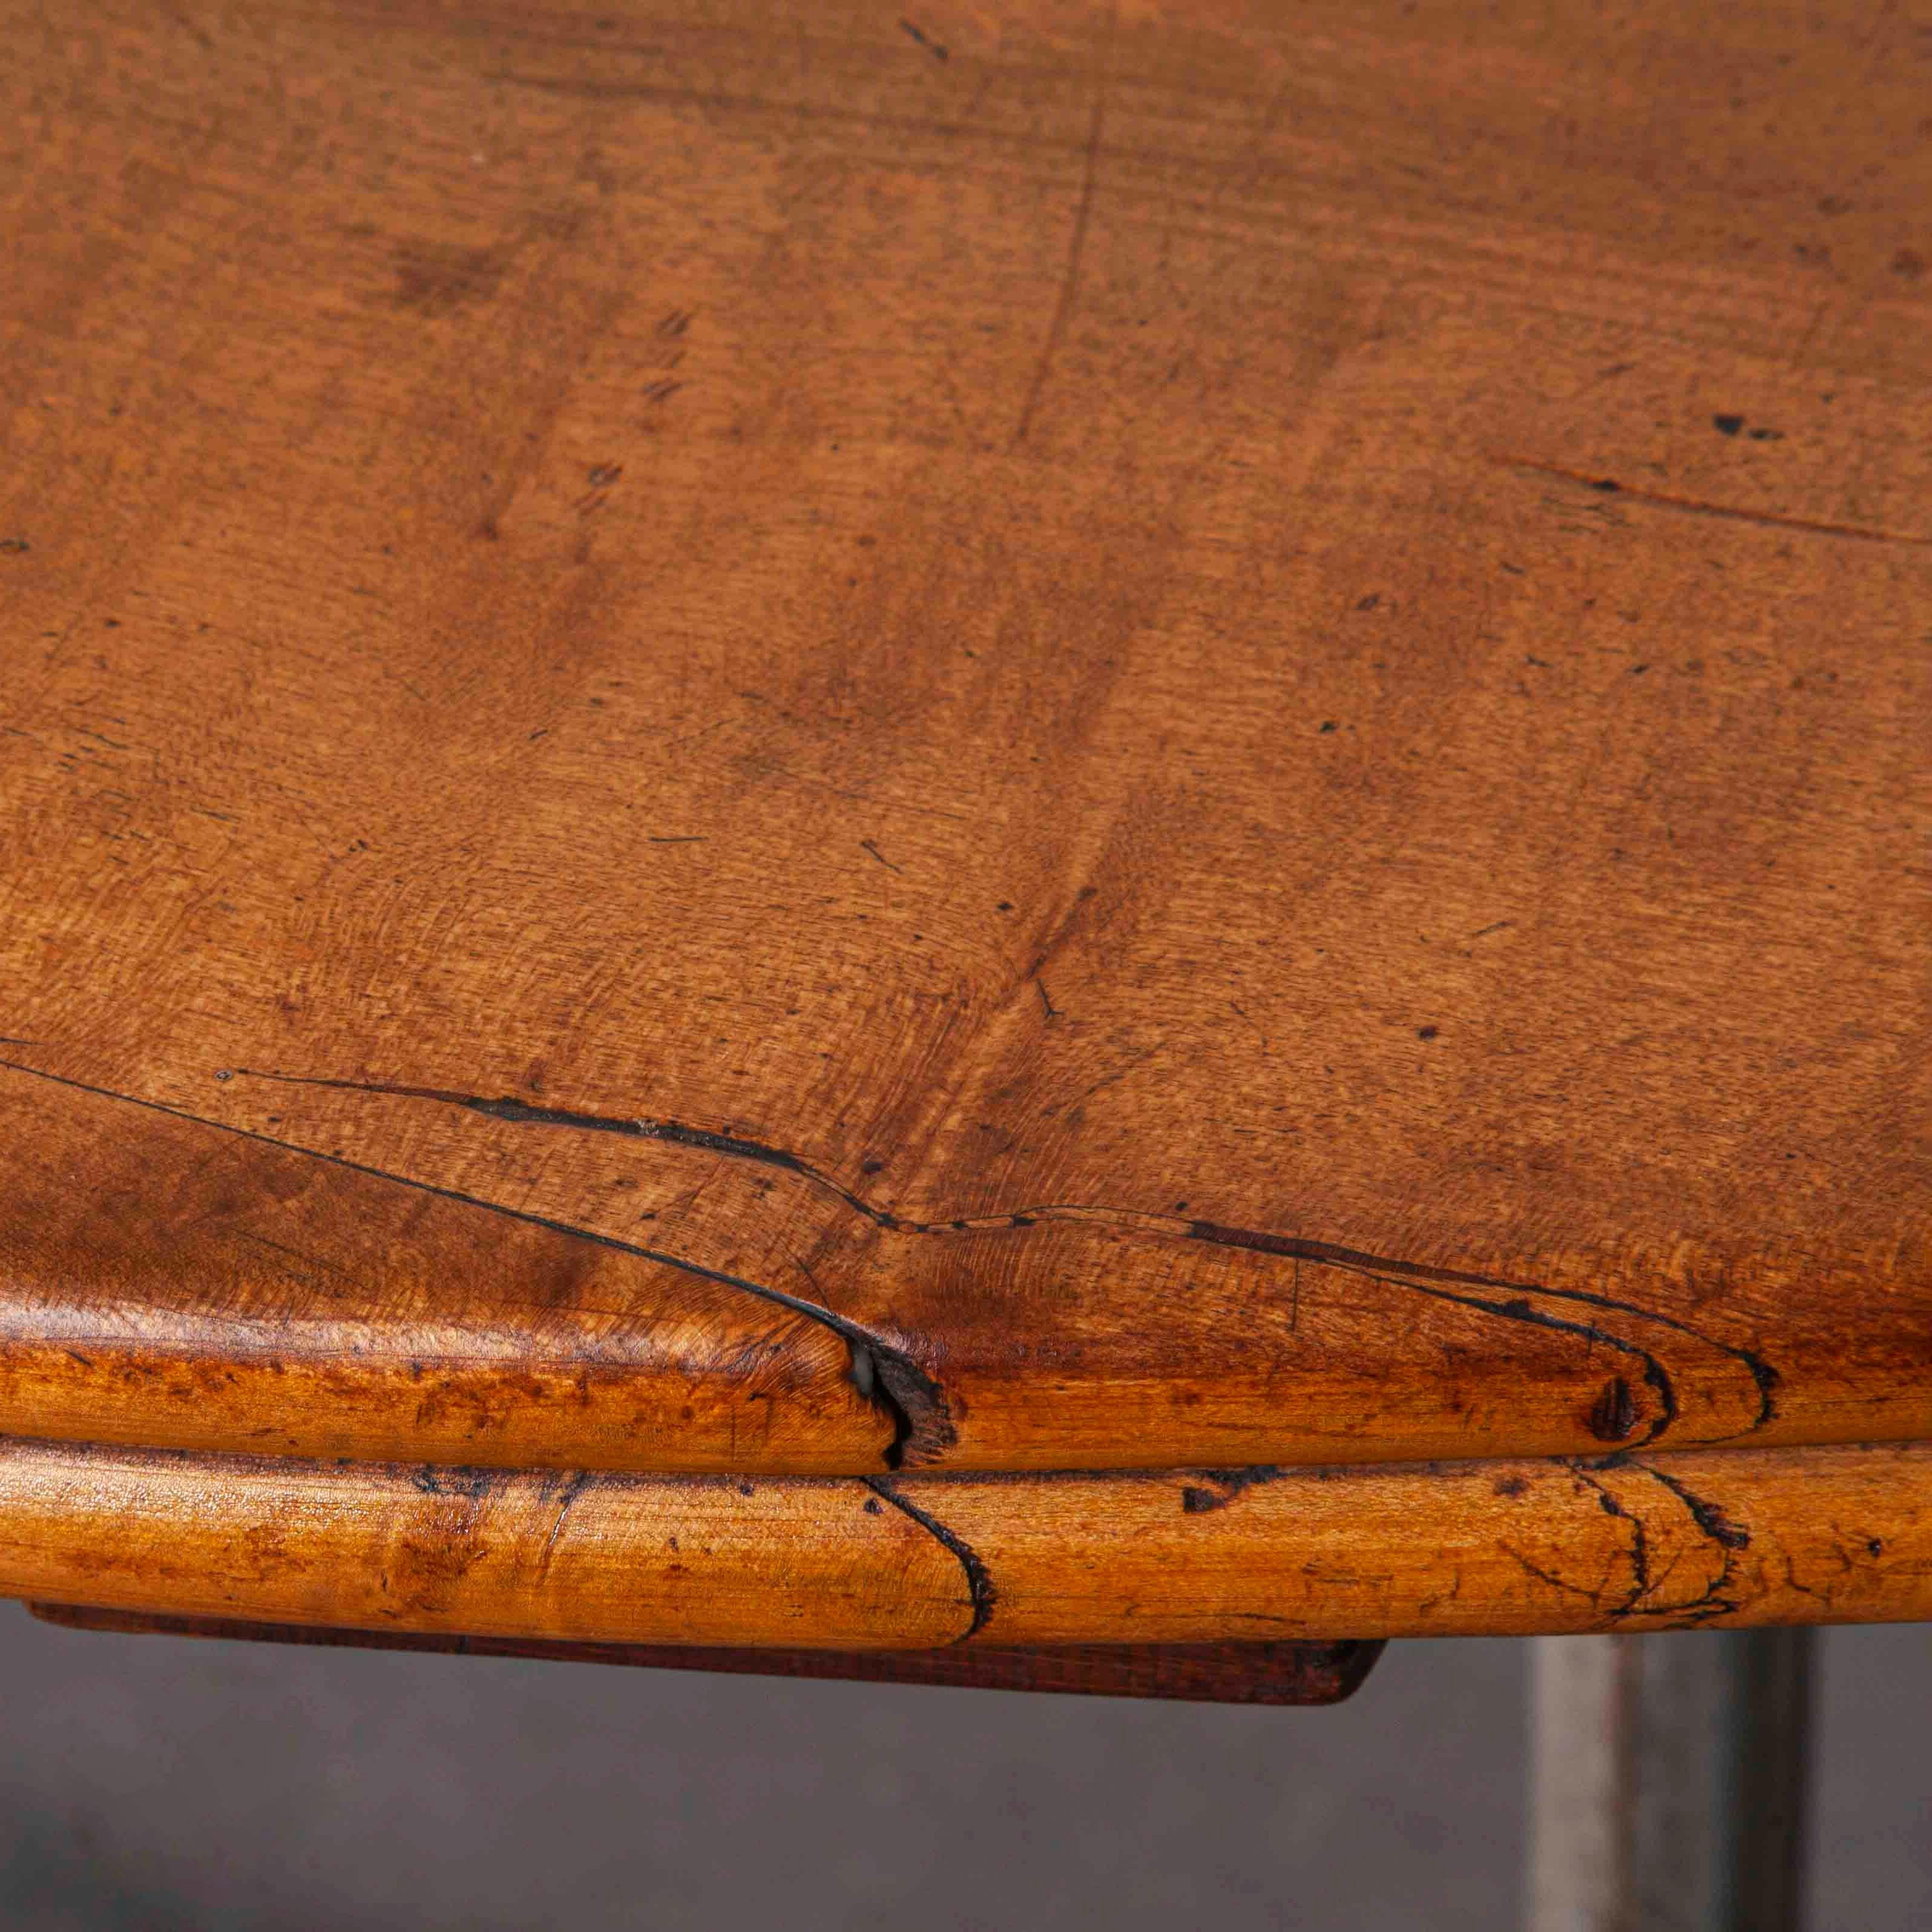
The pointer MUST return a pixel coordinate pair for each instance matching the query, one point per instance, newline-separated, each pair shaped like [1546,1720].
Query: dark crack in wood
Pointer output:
[1506,1299]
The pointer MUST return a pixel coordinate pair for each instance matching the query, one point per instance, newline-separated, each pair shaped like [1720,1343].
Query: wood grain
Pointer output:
[1654,1542]
[1223,1673]
[1197,737]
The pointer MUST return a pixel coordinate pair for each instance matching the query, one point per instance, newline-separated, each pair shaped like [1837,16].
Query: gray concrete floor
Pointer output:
[156,1784]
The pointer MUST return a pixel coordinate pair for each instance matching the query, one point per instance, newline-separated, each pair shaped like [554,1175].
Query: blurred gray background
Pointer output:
[160,1783]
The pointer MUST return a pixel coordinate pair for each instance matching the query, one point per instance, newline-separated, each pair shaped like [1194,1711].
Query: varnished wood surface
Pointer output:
[1224,1673]
[1195,735]
[1653,1542]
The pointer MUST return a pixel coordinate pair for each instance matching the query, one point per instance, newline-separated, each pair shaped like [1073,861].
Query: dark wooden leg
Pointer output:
[1668,1782]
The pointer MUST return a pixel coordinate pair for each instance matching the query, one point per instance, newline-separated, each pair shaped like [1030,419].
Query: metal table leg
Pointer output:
[1668,1781]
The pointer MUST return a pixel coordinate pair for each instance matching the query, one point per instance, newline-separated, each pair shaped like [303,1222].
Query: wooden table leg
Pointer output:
[1668,1777]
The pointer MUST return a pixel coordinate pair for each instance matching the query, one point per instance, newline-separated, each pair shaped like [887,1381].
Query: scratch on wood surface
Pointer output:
[1076,249]
[573,1487]
[932,46]
[1696,507]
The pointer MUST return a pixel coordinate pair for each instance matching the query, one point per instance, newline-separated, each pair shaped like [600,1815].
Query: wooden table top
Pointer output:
[822,746]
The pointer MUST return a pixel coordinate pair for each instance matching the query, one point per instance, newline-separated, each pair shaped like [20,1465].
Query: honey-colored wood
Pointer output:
[1655,1542]
[1082,738]
[1217,1673]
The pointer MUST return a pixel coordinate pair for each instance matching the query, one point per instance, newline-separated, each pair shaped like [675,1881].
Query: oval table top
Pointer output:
[867,750]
